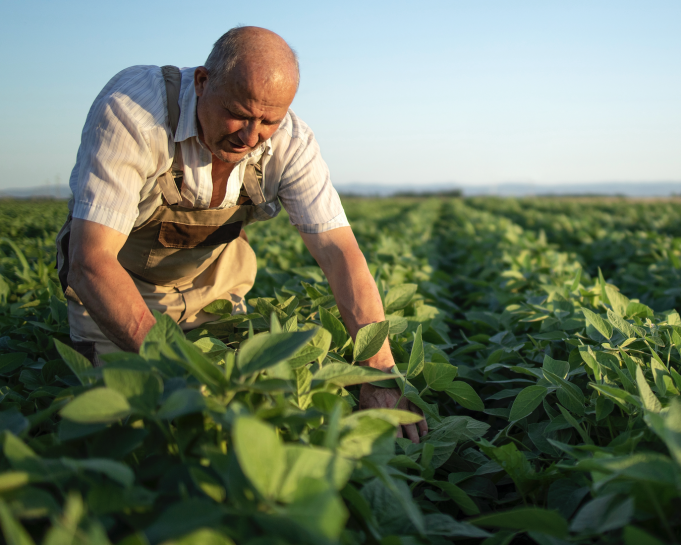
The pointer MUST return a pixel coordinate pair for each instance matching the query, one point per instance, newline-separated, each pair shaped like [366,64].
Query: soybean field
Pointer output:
[540,338]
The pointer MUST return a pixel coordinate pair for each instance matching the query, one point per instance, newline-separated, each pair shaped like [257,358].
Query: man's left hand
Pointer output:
[373,397]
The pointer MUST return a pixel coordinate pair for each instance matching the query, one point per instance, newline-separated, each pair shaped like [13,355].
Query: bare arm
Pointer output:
[103,285]
[359,303]
[357,298]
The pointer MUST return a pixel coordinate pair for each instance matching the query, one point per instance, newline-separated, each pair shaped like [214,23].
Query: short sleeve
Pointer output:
[123,144]
[305,189]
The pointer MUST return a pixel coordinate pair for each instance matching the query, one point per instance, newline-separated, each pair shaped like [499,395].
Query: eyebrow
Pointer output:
[242,113]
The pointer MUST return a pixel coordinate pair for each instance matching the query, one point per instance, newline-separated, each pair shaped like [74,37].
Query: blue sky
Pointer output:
[396,92]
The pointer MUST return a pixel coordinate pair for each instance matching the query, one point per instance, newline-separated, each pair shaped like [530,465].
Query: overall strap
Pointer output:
[173,80]
[252,177]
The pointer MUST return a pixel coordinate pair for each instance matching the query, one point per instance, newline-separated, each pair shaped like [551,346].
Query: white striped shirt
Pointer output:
[127,144]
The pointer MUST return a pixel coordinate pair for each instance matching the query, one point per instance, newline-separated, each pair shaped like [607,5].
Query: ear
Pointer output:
[200,80]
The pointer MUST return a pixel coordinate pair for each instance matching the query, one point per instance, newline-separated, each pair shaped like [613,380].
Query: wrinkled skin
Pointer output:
[237,115]
[373,397]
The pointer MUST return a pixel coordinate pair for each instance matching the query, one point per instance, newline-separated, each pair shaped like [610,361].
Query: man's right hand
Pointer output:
[105,288]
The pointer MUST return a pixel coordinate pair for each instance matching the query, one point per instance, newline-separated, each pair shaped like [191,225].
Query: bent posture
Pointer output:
[172,164]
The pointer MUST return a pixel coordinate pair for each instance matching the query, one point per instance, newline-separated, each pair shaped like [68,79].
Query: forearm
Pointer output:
[353,286]
[113,301]
[358,301]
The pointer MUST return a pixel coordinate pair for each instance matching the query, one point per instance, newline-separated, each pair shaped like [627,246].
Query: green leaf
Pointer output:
[291,325]
[398,324]
[513,462]
[260,453]
[604,291]
[565,495]
[568,394]
[14,533]
[416,358]
[12,362]
[617,394]
[577,280]
[99,405]
[526,519]
[638,309]
[116,471]
[342,374]
[196,362]
[322,341]
[650,402]
[659,374]
[369,340]
[31,502]
[141,389]
[439,376]
[636,536]
[557,367]
[589,358]
[618,302]
[304,356]
[202,536]
[527,401]
[303,385]
[265,349]
[221,307]
[180,403]
[571,420]
[396,417]
[161,333]
[439,524]
[399,297]
[9,480]
[630,363]
[15,449]
[620,323]
[676,377]
[303,462]
[208,484]
[465,395]
[604,406]
[183,517]
[459,497]
[602,514]
[318,510]
[401,495]
[334,326]
[78,363]
[593,319]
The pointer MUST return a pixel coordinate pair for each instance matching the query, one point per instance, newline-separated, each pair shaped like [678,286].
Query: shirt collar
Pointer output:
[187,126]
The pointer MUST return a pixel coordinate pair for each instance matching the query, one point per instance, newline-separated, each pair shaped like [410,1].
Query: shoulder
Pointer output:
[137,93]
[293,131]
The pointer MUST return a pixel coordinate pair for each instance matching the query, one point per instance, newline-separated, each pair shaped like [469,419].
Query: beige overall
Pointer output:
[181,259]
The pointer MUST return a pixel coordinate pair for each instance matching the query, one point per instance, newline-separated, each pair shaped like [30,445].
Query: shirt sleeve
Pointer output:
[305,189]
[117,153]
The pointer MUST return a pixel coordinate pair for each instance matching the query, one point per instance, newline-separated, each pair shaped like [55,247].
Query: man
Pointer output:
[171,165]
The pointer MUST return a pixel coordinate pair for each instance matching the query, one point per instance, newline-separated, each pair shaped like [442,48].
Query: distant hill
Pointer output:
[39,192]
[511,189]
[625,189]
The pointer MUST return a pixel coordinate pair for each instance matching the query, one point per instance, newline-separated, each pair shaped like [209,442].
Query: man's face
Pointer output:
[235,118]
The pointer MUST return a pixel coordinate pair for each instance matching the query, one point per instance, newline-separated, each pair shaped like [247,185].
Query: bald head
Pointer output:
[253,56]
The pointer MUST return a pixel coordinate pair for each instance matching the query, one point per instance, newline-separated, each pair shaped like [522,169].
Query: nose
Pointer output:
[249,134]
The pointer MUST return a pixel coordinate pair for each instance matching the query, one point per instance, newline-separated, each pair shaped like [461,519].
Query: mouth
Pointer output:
[237,147]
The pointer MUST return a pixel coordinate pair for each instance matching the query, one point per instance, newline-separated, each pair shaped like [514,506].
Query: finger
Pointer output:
[411,433]
[423,427]
[399,432]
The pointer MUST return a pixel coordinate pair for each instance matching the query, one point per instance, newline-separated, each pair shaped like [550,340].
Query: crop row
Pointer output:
[551,395]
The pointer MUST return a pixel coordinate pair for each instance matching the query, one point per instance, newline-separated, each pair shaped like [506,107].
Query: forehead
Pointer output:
[253,90]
